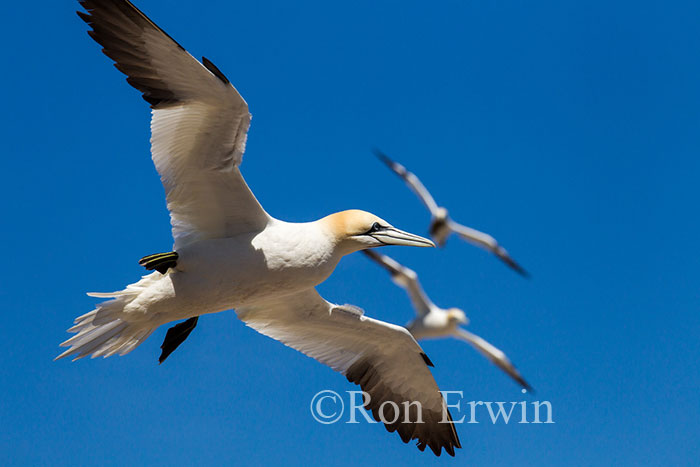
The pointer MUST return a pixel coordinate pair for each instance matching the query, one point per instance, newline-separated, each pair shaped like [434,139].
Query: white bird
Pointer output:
[433,322]
[232,255]
[441,225]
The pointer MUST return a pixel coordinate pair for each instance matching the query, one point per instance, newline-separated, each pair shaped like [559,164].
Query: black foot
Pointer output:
[161,262]
[175,336]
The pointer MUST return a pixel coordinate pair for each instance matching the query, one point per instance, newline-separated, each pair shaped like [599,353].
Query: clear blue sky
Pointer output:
[568,130]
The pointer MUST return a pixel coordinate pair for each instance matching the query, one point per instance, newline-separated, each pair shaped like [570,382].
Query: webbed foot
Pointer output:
[175,336]
[161,262]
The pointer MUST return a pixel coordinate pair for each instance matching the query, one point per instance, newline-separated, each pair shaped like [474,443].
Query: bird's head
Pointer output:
[455,315]
[440,214]
[356,230]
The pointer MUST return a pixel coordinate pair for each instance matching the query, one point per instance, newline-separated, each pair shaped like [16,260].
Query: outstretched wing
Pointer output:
[405,278]
[199,123]
[384,359]
[488,243]
[495,355]
[411,180]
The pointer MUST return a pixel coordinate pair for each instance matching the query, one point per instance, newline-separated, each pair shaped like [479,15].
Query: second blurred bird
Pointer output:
[434,322]
[441,225]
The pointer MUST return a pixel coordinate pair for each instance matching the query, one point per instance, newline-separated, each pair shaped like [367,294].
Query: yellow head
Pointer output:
[355,230]
[455,315]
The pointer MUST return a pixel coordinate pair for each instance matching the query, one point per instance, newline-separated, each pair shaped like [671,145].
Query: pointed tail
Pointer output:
[104,331]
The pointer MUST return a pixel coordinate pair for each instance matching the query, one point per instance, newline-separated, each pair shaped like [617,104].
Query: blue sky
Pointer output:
[568,130]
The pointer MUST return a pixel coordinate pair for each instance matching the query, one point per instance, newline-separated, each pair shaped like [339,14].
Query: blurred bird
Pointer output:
[441,225]
[229,253]
[433,322]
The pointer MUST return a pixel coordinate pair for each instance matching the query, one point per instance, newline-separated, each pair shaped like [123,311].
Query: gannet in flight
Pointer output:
[232,255]
[441,225]
[433,322]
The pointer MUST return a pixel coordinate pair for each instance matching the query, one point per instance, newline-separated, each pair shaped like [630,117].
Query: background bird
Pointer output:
[441,225]
[433,322]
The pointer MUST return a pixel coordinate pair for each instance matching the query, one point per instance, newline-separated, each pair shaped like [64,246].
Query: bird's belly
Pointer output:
[217,275]
[430,327]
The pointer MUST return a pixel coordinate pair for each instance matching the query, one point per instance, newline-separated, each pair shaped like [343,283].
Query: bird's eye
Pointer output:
[375,228]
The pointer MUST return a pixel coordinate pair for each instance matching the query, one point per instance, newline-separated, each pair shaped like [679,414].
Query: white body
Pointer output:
[436,324]
[223,274]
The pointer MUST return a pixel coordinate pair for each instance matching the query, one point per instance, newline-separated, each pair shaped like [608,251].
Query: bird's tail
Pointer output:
[104,331]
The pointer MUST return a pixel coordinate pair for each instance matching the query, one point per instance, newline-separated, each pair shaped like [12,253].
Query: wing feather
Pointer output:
[486,242]
[412,181]
[494,354]
[405,278]
[199,123]
[384,359]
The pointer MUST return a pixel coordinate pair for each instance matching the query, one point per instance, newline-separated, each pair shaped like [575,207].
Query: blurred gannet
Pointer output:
[232,254]
[441,226]
[433,322]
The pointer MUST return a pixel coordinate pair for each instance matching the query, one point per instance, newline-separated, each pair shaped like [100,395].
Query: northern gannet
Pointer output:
[232,255]
[433,322]
[441,225]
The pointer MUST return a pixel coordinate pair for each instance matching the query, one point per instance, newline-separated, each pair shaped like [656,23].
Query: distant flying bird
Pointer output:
[433,322]
[230,254]
[441,226]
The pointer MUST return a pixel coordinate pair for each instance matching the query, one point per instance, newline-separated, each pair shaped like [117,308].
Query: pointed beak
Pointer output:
[392,236]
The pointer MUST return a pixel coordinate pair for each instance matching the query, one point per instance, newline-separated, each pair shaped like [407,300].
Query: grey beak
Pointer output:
[393,236]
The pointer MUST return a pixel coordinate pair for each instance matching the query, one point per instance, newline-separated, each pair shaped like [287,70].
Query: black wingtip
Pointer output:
[426,359]
[371,254]
[526,386]
[84,16]
[119,27]
[517,268]
[383,157]
[510,262]
[522,272]
[215,71]
[394,166]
